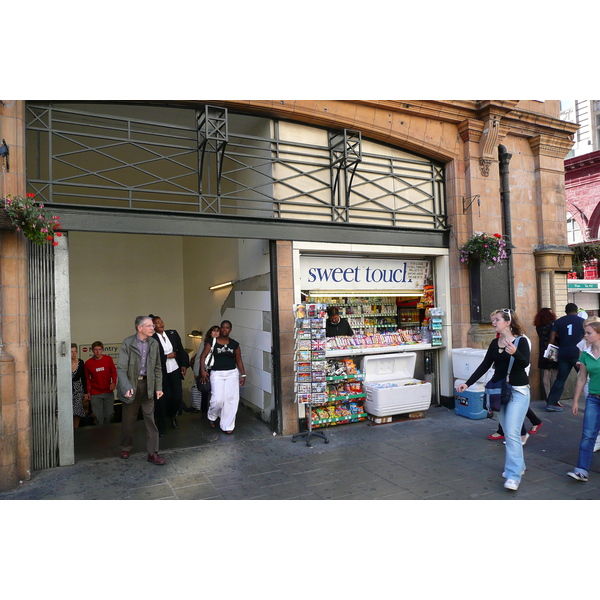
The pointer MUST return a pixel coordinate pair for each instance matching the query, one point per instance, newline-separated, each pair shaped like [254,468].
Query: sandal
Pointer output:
[535,428]
[495,436]
[213,424]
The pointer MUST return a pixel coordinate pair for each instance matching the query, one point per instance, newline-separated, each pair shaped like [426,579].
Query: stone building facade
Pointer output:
[467,138]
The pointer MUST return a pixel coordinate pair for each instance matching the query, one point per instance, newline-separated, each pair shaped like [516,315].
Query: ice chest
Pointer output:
[390,386]
[470,403]
[466,360]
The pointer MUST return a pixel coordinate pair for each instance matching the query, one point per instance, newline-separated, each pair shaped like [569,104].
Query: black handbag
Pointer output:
[203,387]
[498,393]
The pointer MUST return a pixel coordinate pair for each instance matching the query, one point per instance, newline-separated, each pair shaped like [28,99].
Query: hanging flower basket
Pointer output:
[30,217]
[490,250]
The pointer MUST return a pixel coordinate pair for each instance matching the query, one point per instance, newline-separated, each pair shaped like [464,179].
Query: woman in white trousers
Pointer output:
[227,375]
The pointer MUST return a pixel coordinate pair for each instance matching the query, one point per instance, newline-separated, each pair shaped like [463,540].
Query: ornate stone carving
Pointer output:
[484,166]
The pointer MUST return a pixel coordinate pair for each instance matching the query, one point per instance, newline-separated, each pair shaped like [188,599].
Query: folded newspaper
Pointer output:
[551,352]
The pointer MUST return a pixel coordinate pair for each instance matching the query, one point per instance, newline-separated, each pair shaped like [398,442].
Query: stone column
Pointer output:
[285,295]
[553,259]
[15,409]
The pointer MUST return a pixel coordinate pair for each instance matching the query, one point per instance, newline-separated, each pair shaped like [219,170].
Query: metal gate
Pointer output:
[49,343]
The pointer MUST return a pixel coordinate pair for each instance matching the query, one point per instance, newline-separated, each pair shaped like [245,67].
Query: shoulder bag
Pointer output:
[499,392]
[209,361]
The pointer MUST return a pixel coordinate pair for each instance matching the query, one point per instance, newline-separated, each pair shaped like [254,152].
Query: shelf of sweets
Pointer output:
[399,337]
[350,315]
[362,350]
[338,413]
[339,420]
[345,397]
[352,377]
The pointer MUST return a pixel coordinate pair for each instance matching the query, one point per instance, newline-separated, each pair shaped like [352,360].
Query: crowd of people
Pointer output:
[148,379]
[152,364]
[575,340]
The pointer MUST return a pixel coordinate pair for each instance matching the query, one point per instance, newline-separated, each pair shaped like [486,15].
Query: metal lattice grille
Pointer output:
[42,334]
[160,158]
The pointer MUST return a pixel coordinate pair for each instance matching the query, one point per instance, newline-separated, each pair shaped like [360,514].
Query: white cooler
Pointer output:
[465,361]
[390,386]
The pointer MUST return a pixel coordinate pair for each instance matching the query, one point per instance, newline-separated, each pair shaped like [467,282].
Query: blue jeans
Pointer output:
[564,368]
[511,417]
[591,426]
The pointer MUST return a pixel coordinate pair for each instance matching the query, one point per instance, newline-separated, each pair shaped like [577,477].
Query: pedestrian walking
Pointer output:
[566,333]
[511,342]
[139,379]
[589,364]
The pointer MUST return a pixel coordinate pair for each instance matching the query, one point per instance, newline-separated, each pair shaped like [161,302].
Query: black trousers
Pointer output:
[167,406]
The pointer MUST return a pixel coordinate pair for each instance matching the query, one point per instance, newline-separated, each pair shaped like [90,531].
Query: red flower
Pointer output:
[55,243]
[49,237]
[30,195]
[497,235]
[58,234]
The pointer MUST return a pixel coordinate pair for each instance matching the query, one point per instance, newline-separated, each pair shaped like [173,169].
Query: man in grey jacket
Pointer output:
[139,379]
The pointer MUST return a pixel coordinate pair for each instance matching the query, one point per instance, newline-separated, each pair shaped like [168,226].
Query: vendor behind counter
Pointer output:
[335,325]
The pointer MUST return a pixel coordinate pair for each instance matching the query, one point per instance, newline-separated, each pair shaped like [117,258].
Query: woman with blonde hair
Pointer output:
[589,364]
[585,347]
[510,343]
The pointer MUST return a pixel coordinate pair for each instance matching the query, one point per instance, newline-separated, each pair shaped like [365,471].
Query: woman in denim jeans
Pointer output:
[508,328]
[589,364]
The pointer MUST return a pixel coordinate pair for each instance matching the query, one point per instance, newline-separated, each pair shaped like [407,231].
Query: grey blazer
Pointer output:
[128,368]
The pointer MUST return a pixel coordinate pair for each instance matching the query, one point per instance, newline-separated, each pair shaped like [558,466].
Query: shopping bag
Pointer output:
[196,398]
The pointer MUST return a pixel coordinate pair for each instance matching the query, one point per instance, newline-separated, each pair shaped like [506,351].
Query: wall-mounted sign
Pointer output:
[112,350]
[352,274]
[580,285]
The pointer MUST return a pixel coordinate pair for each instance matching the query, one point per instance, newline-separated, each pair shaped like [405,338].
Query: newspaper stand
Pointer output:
[311,386]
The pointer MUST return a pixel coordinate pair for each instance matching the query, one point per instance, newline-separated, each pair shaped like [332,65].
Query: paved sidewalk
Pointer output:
[440,457]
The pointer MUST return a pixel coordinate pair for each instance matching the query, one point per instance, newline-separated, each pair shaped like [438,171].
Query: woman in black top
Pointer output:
[226,376]
[509,328]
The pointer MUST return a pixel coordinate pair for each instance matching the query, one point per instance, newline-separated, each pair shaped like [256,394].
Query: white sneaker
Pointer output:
[597,446]
[577,476]
[511,484]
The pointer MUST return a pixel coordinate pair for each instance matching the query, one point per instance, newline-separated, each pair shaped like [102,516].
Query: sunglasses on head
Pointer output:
[506,311]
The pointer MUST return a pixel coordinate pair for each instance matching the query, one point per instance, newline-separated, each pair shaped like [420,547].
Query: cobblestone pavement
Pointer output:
[442,456]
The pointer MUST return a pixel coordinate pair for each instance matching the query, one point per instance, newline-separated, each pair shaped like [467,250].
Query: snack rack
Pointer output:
[310,384]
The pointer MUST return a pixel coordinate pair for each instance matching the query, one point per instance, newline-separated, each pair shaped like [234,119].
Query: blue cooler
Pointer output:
[470,403]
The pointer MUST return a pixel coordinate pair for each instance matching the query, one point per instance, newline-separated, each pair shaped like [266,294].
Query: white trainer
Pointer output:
[511,484]
[577,476]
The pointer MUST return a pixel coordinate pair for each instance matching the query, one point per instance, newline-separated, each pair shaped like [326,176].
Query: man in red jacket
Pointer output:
[101,377]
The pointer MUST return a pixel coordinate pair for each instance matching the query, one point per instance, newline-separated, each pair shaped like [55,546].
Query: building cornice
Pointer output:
[384,120]
[550,145]
[583,161]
